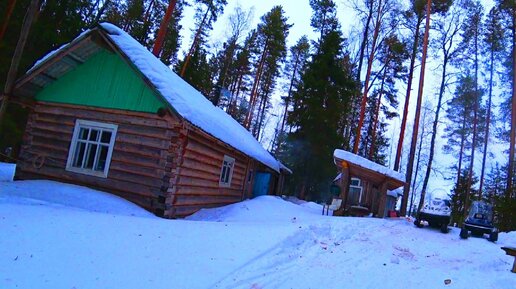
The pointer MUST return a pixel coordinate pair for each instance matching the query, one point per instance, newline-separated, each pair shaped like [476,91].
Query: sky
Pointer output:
[298,13]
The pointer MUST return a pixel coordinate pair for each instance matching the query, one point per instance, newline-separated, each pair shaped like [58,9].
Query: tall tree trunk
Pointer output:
[364,40]
[461,151]
[146,22]
[474,141]
[434,135]
[420,149]
[488,123]
[377,115]
[368,77]
[510,173]
[160,38]
[254,90]
[18,52]
[194,43]
[287,102]
[413,144]
[100,12]
[399,150]
[8,13]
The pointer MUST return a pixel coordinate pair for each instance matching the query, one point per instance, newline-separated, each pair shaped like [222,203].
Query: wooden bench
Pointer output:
[512,252]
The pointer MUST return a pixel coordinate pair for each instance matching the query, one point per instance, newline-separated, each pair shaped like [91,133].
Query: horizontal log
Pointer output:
[126,157]
[123,126]
[190,162]
[117,171]
[143,140]
[150,181]
[137,170]
[53,127]
[199,191]
[210,141]
[214,165]
[211,156]
[102,114]
[205,200]
[141,153]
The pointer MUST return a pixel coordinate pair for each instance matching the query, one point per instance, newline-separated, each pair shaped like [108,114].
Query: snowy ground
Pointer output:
[62,236]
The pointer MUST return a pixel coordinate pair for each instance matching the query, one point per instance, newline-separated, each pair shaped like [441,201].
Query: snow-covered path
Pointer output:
[55,236]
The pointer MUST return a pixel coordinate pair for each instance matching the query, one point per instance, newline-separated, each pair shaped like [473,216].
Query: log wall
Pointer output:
[196,183]
[160,163]
[142,162]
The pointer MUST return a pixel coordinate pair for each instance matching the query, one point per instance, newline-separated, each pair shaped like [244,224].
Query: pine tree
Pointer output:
[225,59]
[320,103]
[459,129]
[413,19]
[508,9]
[459,194]
[294,68]
[57,23]
[448,27]
[271,42]
[493,46]
[391,55]
[172,41]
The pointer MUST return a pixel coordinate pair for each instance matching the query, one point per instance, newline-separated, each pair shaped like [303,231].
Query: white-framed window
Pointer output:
[226,173]
[355,191]
[91,148]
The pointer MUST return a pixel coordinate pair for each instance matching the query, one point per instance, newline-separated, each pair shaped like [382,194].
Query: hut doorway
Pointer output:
[261,184]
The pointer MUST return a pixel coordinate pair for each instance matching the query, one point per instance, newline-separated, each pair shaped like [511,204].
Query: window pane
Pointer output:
[83,133]
[94,135]
[106,137]
[79,154]
[101,158]
[226,174]
[91,150]
[223,174]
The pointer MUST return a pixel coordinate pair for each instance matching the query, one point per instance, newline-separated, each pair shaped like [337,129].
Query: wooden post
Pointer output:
[383,199]
[15,62]
[344,186]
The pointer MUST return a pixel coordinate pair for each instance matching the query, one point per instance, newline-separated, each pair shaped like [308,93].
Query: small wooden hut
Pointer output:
[365,186]
[108,114]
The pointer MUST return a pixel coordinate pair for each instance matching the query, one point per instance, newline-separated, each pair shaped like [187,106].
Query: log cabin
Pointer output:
[365,186]
[107,114]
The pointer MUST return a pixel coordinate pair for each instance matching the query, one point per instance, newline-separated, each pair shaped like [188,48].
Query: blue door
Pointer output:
[261,184]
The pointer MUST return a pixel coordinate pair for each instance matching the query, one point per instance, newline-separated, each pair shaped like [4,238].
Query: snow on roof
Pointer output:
[189,102]
[395,193]
[367,164]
